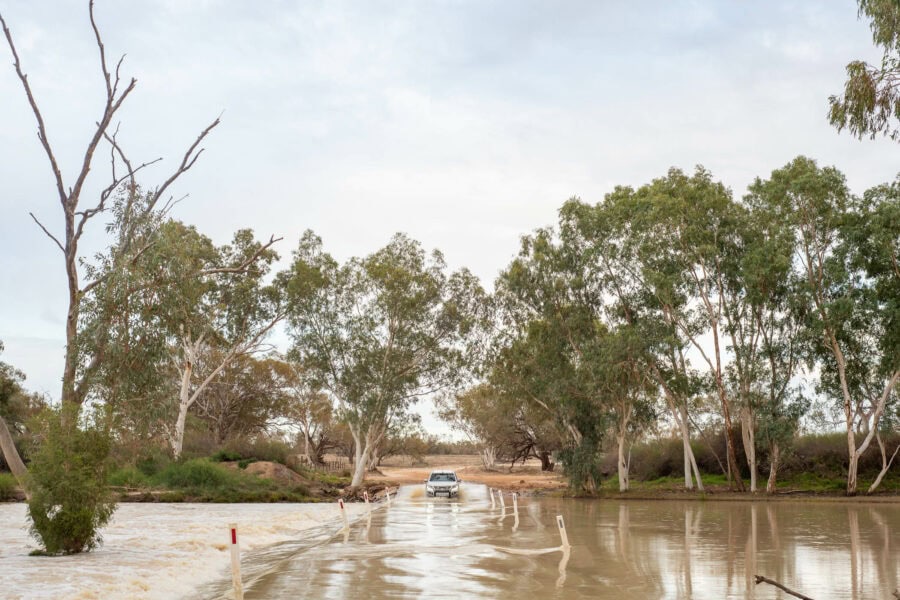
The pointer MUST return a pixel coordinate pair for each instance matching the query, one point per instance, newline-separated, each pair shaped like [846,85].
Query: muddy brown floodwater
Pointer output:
[464,548]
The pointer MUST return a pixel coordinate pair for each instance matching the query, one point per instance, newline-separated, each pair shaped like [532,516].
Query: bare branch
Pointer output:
[42,129]
[761,579]
[50,235]
[244,265]
[106,76]
[190,157]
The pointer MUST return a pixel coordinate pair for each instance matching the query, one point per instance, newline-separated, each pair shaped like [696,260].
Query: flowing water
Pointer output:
[465,548]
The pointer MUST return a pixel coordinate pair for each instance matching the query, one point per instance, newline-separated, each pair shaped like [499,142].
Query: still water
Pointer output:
[465,548]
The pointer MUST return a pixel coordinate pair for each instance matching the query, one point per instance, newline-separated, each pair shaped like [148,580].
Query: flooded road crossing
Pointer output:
[455,548]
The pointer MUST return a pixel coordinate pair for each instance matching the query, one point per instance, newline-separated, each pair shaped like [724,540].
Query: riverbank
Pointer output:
[528,479]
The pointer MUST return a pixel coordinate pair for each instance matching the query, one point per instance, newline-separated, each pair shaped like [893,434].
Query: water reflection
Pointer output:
[452,549]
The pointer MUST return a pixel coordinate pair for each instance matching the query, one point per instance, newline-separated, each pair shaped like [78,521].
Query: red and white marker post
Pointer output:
[344,514]
[236,563]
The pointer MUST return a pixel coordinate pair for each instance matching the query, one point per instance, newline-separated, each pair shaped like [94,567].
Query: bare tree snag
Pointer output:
[761,579]
[76,218]
[79,369]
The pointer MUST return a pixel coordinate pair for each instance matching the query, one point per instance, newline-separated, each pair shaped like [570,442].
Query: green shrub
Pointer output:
[128,477]
[195,473]
[7,486]
[242,464]
[70,500]
[152,463]
[226,456]
[260,448]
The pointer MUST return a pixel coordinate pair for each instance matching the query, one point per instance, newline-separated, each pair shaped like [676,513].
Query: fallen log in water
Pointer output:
[760,579]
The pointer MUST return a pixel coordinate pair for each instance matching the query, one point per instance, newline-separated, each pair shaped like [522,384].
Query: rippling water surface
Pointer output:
[465,548]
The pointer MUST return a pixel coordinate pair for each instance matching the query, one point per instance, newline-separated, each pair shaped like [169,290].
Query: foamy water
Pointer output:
[151,551]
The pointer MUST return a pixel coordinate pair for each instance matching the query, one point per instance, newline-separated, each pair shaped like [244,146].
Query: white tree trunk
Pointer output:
[622,464]
[621,435]
[885,464]
[774,457]
[184,403]
[690,461]
[748,433]
[489,457]
[364,447]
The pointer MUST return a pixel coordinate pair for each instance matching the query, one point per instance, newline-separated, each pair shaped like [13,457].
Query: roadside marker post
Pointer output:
[387,494]
[562,532]
[236,563]
[344,514]
[502,501]
[493,504]
[366,496]
[515,510]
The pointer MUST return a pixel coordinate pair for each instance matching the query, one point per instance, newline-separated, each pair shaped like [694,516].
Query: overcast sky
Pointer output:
[464,124]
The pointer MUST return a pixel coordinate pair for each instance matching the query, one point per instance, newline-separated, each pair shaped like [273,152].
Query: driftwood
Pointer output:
[761,579]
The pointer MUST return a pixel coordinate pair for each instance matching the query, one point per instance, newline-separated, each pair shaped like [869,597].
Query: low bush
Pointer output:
[130,477]
[7,486]
[195,473]
[226,456]
[70,499]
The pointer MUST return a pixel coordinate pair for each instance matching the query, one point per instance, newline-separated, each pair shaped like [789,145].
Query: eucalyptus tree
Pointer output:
[870,103]
[766,329]
[178,317]
[601,236]
[568,351]
[311,412]
[682,244]
[503,426]
[78,212]
[249,396]
[380,332]
[845,254]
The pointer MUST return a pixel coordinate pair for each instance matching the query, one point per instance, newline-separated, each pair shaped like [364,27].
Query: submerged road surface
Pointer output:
[465,548]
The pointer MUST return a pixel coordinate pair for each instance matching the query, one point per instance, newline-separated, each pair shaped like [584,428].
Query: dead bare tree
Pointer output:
[77,212]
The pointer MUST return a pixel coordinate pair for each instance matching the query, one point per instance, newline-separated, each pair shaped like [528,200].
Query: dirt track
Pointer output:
[468,468]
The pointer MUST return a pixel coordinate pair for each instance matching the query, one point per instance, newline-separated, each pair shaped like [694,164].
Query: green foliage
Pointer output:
[225,456]
[870,104]
[129,477]
[70,500]
[7,486]
[379,332]
[196,473]
[582,465]
[200,480]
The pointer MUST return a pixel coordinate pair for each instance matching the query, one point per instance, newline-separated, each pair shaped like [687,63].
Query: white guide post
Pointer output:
[236,563]
[515,511]
[502,501]
[387,495]
[562,532]
[344,514]
[493,504]
[366,496]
